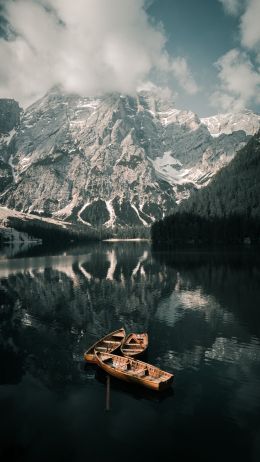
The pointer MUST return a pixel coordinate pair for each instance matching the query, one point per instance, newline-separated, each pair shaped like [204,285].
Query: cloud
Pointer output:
[232,7]
[249,27]
[178,68]
[238,71]
[249,12]
[239,82]
[182,73]
[87,46]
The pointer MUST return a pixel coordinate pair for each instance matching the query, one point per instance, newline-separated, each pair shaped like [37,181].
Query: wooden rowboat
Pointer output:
[134,344]
[107,344]
[134,371]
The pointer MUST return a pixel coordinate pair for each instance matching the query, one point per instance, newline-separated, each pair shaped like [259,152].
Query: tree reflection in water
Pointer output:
[201,311]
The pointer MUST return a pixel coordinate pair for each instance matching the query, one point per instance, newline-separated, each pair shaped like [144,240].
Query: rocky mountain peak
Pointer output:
[115,160]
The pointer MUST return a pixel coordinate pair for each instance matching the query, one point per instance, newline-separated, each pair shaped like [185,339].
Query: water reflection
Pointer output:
[202,316]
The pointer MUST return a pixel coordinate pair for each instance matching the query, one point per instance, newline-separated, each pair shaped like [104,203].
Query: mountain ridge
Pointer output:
[235,189]
[113,160]
[227,211]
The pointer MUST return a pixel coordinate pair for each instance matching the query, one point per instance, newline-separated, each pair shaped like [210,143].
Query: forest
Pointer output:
[187,228]
[225,212]
[53,233]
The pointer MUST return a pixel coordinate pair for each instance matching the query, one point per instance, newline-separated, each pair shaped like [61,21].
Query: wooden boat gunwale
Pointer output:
[148,381]
[92,347]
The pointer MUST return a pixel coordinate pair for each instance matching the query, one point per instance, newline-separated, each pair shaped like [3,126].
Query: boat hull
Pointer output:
[89,355]
[134,345]
[145,382]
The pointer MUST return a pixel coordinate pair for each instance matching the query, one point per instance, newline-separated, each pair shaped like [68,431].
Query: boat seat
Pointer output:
[133,343]
[140,373]
[102,349]
[121,367]
[136,350]
[155,376]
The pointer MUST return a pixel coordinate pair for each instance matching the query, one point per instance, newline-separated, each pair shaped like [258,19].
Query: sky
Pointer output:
[205,52]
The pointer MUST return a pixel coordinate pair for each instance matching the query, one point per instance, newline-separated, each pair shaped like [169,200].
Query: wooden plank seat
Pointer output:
[120,365]
[155,374]
[102,348]
[130,345]
[134,344]
[137,350]
[134,371]
[140,373]
[109,343]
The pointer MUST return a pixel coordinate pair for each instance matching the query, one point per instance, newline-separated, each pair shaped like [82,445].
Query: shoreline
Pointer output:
[135,239]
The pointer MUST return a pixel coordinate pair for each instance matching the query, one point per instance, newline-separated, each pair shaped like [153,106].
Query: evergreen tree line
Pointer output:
[131,232]
[235,189]
[59,234]
[55,234]
[227,211]
[185,228]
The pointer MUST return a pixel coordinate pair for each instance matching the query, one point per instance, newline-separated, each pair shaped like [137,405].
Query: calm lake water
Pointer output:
[202,314]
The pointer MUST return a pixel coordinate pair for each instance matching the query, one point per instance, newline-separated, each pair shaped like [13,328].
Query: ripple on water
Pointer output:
[200,328]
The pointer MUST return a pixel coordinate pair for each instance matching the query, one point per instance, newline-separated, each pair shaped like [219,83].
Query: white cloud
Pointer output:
[249,12]
[183,74]
[239,72]
[87,46]
[179,69]
[232,7]
[249,27]
[239,82]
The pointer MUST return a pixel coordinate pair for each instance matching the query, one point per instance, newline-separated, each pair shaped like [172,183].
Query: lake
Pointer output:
[202,313]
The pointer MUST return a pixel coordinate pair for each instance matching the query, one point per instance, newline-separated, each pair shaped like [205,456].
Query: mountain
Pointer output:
[234,190]
[113,160]
[9,120]
[227,211]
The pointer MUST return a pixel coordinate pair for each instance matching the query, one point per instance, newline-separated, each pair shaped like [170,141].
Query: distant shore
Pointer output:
[136,239]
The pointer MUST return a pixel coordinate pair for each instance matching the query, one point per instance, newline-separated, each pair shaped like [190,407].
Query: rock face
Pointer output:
[9,120]
[9,115]
[115,160]
[235,189]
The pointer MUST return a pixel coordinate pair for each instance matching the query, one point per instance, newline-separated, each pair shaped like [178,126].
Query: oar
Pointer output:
[108,394]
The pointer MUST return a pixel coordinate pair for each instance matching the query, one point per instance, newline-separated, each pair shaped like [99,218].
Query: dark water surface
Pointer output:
[202,314]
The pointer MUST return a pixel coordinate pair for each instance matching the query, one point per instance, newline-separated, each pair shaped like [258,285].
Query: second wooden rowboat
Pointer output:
[107,344]
[134,344]
[133,371]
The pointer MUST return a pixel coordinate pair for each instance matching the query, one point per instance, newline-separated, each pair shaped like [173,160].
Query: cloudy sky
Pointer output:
[207,52]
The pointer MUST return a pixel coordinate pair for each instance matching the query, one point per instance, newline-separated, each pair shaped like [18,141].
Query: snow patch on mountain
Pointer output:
[170,169]
[81,211]
[114,160]
[138,214]
[229,123]
[68,209]
[7,138]
[110,223]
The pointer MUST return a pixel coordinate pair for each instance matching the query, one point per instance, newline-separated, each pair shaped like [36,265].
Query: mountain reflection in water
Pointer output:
[201,312]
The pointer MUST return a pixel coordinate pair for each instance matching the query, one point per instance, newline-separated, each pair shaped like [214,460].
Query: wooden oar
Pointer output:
[108,394]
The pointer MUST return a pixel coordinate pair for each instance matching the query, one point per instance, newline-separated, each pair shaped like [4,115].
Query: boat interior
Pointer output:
[107,345]
[134,368]
[134,347]
[133,339]
[111,344]
[134,344]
